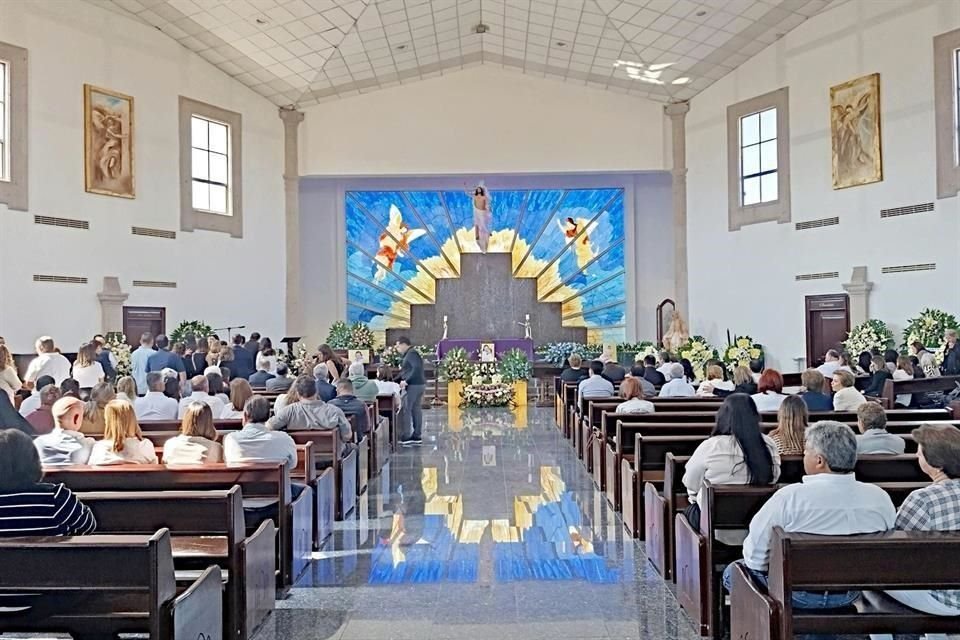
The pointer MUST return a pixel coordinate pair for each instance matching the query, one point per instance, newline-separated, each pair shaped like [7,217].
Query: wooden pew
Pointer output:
[324,492]
[725,515]
[207,528]
[263,485]
[893,388]
[102,585]
[388,407]
[896,560]
[660,509]
[380,444]
[327,453]
[149,426]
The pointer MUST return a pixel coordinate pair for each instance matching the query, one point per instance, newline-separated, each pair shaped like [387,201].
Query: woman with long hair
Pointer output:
[122,440]
[335,366]
[197,442]
[791,426]
[127,389]
[213,351]
[736,452]
[93,418]
[904,372]
[87,370]
[240,392]
[9,380]
[267,353]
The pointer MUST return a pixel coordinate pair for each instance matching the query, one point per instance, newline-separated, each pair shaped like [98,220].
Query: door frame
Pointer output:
[134,341]
[823,302]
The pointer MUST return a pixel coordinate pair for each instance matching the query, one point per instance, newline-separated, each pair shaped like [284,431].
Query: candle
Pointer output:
[528,317]
[444,318]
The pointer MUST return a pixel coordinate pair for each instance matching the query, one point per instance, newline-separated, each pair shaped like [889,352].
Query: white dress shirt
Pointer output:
[768,400]
[216,404]
[385,387]
[719,459]
[138,366]
[827,369]
[636,405]
[665,370]
[48,364]
[134,451]
[848,399]
[827,504]
[903,398]
[229,413]
[191,450]
[30,404]
[87,377]
[677,388]
[62,447]
[595,387]
[257,443]
[10,381]
[155,406]
[708,387]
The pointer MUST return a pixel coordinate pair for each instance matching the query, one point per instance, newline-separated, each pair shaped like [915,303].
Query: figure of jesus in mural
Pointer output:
[481,217]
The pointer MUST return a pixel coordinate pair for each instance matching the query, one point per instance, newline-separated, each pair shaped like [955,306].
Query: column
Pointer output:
[111,305]
[291,190]
[677,113]
[859,291]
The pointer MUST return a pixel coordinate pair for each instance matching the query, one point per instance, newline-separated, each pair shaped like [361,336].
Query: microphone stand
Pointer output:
[229,331]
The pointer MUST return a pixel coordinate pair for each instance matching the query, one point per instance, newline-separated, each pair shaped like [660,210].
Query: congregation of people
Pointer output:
[82,414]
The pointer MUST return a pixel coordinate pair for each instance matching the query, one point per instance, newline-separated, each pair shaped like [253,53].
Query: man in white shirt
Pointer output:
[256,442]
[831,362]
[201,388]
[65,444]
[32,402]
[829,501]
[665,365]
[596,386]
[677,385]
[47,363]
[155,405]
[138,361]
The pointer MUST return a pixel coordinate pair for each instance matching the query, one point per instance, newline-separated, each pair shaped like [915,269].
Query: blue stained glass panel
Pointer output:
[606,317]
[580,206]
[382,205]
[610,291]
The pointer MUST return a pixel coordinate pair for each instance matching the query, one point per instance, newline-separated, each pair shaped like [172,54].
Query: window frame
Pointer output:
[14,188]
[946,87]
[192,219]
[739,214]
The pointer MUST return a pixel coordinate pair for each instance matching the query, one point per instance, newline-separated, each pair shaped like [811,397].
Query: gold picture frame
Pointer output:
[108,154]
[855,140]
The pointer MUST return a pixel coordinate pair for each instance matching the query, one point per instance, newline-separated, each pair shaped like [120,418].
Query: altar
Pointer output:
[472,346]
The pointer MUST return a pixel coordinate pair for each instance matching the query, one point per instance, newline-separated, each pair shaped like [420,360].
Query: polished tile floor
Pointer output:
[492,529]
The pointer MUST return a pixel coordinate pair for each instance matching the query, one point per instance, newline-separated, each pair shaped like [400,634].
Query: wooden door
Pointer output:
[139,320]
[828,323]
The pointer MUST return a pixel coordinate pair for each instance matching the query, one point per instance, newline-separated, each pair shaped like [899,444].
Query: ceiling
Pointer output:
[302,52]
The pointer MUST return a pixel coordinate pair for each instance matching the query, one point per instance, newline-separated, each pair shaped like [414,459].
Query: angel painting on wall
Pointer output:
[855,132]
[572,228]
[394,242]
[108,142]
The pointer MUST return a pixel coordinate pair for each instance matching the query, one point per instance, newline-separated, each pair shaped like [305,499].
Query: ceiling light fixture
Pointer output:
[401,47]
[661,65]
[561,44]
[261,21]
[701,13]
[481,28]
[629,64]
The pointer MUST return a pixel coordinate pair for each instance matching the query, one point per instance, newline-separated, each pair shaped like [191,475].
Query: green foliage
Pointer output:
[360,336]
[339,335]
[928,328]
[197,328]
[455,365]
[514,365]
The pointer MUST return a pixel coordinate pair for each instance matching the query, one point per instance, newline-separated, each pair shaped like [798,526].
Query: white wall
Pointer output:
[221,280]
[744,280]
[482,119]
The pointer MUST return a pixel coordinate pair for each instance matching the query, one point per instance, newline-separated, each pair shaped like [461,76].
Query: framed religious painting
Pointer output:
[488,352]
[108,167]
[855,132]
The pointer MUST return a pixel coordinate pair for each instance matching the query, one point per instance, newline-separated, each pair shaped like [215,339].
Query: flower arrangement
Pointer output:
[391,357]
[196,328]
[426,350]
[928,329]
[339,335]
[487,388]
[869,336]
[641,350]
[300,362]
[556,353]
[741,351]
[360,336]
[117,343]
[697,350]
[455,365]
[514,366]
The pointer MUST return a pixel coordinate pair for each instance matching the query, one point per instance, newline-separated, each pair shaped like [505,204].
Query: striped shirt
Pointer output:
[934,508]
[44,510]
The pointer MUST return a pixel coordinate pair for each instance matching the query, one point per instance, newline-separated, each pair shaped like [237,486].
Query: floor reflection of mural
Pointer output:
[543,539]
[400,242]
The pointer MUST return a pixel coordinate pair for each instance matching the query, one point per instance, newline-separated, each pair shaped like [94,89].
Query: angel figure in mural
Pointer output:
[854,127]
[481,216]
[394,242]
[677,334]
[583,248]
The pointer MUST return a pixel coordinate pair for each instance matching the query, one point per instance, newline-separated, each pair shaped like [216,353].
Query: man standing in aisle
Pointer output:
[413,382]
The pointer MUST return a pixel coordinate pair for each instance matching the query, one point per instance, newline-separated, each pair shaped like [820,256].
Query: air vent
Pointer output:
[60,279]
[905,211]
[817,276]
[153,233]
[907,268]
[61,222]
[160,284]
[816,224]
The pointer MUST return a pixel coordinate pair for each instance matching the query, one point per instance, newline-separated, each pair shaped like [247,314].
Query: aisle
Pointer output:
[435,551]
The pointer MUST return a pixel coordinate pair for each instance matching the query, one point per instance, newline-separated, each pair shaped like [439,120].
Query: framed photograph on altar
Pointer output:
[359,355]
[108,142]
[488,352]
[609,352]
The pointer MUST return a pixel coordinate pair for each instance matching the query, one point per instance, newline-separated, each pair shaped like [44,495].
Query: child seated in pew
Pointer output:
[196,443]
[737,452]
[123,441]
[29,507]
[933,508]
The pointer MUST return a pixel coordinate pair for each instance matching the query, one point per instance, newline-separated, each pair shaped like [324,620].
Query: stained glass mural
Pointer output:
[399,243]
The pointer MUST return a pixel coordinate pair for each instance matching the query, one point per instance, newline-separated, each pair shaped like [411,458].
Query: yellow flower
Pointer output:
[685,354]
[732,352]
[743,343]
[754,353]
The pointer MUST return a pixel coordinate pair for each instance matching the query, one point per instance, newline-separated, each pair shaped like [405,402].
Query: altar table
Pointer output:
[472,346]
